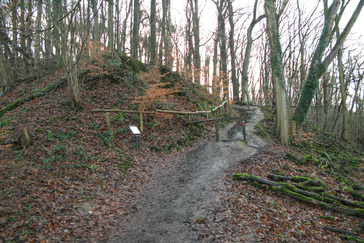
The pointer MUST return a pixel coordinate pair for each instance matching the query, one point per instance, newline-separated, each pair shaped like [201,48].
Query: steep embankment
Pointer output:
[69,182]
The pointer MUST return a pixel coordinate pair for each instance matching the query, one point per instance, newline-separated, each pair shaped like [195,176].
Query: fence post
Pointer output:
[108,120]
[217,131]
[170,121]
[244,132]
[293,128]
[141,121]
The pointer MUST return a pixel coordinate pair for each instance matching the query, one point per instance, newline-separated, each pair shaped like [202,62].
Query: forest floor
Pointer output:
[188,190]
[193,197]
[80,181]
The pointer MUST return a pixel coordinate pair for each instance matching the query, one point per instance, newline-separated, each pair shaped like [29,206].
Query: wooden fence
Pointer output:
[212,112]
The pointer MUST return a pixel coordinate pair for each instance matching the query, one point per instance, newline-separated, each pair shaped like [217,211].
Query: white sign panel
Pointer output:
[134,130]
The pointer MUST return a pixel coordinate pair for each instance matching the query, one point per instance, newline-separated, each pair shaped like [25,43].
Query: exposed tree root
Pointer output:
[350,235]
[302,192]
[43,92]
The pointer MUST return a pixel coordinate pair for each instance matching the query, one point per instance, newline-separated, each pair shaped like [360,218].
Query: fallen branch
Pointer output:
[337,230]
[322,200]
[43,92]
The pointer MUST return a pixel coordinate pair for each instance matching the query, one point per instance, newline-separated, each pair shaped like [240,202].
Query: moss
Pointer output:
[10,107]
[293,194]
[352,237]
[358,195]
[327,217]
[292,158]
[359,211]
[237,176]
[278,172]
[132,64]
[260,130]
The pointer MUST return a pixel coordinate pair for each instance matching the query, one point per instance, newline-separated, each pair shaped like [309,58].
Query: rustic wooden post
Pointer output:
[108,120]
[141,121]
[217,131]
[22,136]
[293,128]
[244,132]
[170,121]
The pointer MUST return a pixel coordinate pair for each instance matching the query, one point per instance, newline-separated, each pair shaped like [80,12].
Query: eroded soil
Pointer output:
[190,189]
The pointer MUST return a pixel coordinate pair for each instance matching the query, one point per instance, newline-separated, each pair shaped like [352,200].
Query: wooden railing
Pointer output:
[212,112]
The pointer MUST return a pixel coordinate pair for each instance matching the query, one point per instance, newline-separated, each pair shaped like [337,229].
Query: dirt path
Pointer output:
[190,190]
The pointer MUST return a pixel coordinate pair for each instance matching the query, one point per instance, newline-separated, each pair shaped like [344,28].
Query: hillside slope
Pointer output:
[76,173]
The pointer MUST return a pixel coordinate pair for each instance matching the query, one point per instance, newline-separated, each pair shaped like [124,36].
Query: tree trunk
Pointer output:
[135,37]
[123,33]
[111,25]
[318,67]
[30,62]
[37,46]
[223,51]
[282,115]
[196,35]
[48,32]
[153,34]
[345,125]
[215,79]
[96,31]
[245,98]
[14,18]
[232,54]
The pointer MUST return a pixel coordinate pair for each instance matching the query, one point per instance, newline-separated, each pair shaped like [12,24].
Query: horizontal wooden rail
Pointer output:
[141,113]
[217,107]
[125,111]
[220,119]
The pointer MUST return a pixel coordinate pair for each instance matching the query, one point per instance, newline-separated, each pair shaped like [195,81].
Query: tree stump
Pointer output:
[21,136]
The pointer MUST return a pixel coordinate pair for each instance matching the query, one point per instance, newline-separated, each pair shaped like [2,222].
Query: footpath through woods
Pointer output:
[189,191]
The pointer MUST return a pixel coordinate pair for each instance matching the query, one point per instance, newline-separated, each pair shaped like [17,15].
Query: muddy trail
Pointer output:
[189,192]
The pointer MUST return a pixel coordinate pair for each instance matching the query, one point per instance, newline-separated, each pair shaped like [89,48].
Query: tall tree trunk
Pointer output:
[48,32]
[189,40]
[14,19]
[223,51]
[135,37]
[232,53]
[124,29]
[345,125]
[153,32]
[111,25]
[244,74]
[96,31]
[215,79]
[23,34]
[282,115]
[168,42]
[30,62]
[196,35]
[319,66]
[37,46]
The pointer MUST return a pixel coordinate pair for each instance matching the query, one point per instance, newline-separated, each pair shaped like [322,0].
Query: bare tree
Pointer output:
[280,95]
[244,73]
[319,66]
[234,79]
[111,25]
[153,34]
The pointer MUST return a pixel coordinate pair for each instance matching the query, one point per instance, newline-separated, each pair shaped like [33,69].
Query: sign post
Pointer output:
[244,132]
[136,132]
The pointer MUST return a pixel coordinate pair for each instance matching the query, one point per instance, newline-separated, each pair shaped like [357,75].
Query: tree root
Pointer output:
[43,92]
[324,200]
[350,235]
